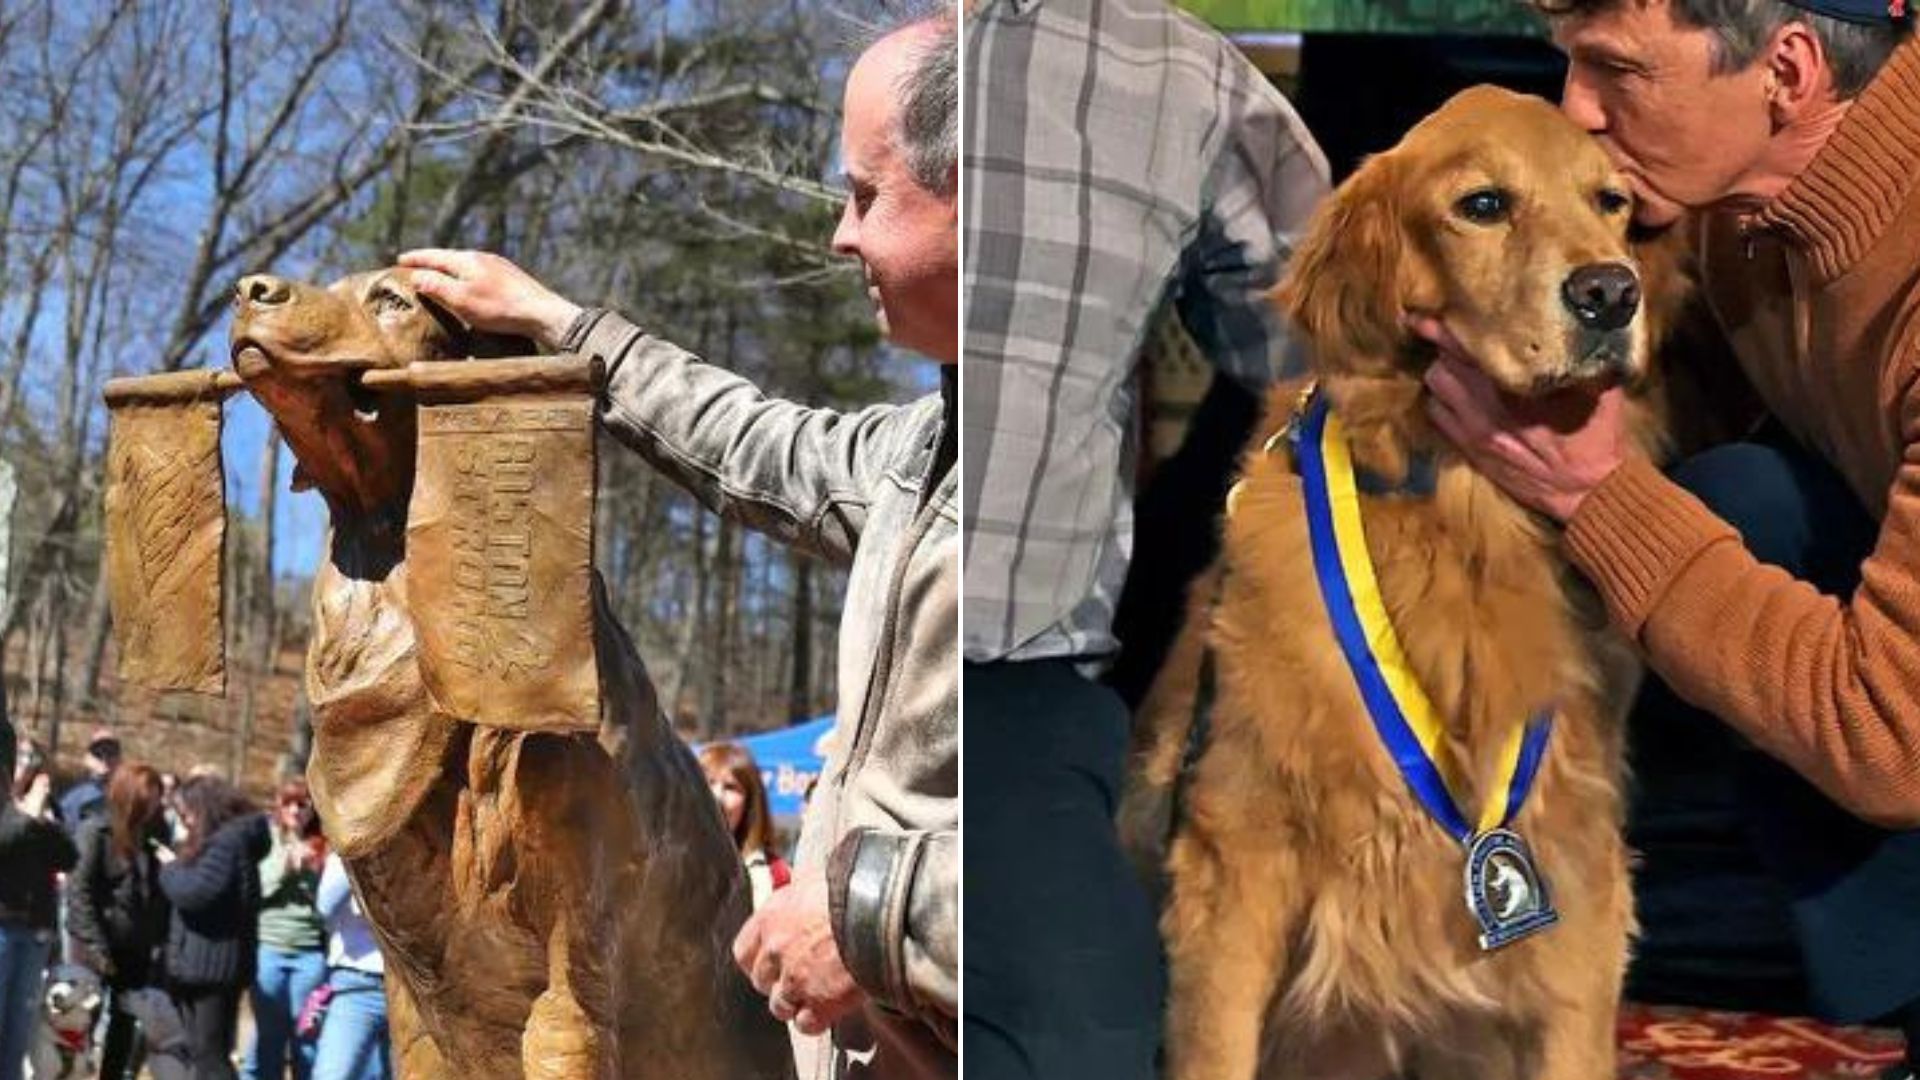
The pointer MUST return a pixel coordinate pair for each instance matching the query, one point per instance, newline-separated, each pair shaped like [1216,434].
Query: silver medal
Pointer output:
[1505,892]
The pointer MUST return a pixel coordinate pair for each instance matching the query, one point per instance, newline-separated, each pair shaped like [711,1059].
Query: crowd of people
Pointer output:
[181,899]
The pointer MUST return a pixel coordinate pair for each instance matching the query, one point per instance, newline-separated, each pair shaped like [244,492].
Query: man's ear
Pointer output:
[1342,286]
[1798,72]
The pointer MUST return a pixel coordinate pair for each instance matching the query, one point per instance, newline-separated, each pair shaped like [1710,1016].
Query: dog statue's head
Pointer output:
[303,351]
[1501,218]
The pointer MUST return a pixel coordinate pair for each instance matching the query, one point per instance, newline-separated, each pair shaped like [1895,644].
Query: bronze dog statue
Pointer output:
[550,903]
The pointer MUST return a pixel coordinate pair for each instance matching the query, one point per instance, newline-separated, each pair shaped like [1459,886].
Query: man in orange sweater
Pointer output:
[1790,130]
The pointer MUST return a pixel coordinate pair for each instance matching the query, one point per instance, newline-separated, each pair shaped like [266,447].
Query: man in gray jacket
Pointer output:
[865,940]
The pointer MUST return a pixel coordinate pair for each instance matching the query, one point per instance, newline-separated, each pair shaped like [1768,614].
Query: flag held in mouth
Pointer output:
[500,541]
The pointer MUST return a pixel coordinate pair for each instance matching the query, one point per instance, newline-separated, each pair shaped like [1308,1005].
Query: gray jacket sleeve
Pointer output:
[895,904]
[802,475]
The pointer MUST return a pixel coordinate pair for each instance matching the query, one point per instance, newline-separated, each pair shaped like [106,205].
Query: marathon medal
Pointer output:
[1506,894]
[1505,891]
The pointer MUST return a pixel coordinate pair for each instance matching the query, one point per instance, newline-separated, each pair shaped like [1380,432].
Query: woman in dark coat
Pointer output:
[214,886]
[33,848]
[116,913]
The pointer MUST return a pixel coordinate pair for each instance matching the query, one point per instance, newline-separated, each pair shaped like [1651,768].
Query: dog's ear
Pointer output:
[1342,289]
[481,345]
[1664,258]
[466,342]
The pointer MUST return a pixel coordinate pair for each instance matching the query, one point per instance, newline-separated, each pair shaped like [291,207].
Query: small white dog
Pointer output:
[63,1046]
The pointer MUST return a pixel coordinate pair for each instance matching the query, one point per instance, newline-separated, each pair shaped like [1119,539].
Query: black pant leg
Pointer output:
[211,1018]
[117,1058]
[1063,977]
[1845,885]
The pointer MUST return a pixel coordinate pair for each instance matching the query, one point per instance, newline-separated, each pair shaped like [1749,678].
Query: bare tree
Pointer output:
[664,157]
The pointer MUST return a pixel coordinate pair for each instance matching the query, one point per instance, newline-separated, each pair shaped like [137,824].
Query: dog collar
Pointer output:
[1423,467]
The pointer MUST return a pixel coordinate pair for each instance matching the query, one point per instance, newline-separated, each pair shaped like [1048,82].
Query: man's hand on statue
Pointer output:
[787,950]
[492,294]
[1547,453]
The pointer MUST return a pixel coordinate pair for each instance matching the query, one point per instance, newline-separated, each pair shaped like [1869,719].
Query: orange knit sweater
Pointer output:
[1818,295]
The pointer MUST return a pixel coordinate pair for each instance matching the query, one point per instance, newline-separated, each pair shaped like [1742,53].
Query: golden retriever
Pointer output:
[1315,918]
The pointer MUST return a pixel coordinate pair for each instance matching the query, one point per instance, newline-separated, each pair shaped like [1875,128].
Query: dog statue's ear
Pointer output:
[481,345]
[474,344]
[1342,286]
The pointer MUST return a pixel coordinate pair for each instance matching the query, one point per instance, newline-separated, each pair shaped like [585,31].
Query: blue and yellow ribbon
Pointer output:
[1404,717]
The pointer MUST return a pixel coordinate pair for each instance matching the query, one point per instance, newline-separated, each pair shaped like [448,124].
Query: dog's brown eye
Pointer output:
[1612,202]
[1489,206]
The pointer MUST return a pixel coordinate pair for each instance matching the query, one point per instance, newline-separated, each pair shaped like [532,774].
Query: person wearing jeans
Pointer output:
[23,965]
[281,983]
[292,961]
[33,849]
[353,1038]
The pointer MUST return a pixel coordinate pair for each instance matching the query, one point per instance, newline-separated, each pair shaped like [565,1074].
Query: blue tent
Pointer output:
[790,758]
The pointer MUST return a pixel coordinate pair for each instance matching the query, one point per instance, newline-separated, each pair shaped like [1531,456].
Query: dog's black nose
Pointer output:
[262,290]
[1603,296]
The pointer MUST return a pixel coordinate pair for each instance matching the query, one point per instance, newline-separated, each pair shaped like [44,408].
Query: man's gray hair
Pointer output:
[1741,28]
[929,93]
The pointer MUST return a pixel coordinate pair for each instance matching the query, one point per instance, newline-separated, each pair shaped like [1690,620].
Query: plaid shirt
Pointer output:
[1118,154]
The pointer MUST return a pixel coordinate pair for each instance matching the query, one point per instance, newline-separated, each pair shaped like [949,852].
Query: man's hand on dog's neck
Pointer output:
[1547,454]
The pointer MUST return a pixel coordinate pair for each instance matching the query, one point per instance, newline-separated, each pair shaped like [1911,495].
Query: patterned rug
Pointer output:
[1665,1043]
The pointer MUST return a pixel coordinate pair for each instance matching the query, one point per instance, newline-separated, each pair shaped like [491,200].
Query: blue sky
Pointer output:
[300,520]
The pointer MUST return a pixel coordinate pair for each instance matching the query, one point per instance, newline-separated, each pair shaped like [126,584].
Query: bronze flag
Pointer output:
[166,527]
[500,540]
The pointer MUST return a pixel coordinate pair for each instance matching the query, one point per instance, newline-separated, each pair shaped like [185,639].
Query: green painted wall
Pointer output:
[1370,16]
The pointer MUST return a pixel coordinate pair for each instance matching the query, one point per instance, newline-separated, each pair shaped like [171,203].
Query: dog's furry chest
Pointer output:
[1476,597]
[1297,777]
